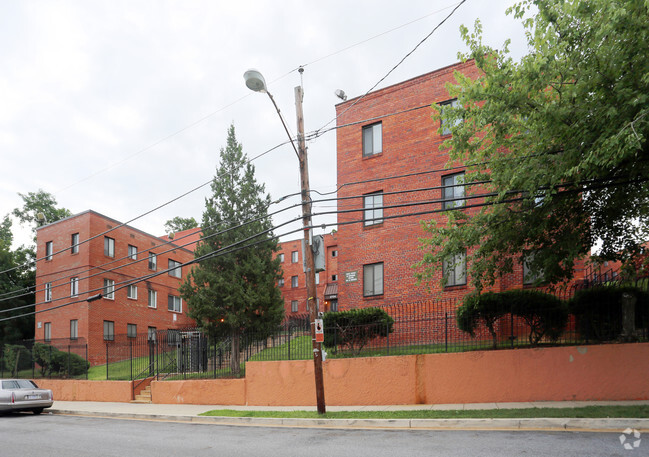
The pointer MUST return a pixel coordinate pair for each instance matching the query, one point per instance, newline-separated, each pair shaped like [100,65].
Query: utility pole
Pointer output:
[311,300]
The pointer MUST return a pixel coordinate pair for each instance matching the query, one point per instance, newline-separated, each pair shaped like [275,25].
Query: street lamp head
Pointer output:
[255,80]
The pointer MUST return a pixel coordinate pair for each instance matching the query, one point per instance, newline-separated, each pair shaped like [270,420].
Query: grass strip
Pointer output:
[632,411]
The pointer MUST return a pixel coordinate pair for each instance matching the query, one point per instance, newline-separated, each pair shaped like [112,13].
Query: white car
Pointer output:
[23,395]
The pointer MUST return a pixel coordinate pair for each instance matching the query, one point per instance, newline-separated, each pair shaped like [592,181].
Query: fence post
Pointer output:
[289,341]
[446,331]
[511,328]
[68,360]
[106,360]
[87,361]
[130,356]
[387,333]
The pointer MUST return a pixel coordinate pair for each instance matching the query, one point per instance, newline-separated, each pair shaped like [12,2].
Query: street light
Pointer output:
[255,81]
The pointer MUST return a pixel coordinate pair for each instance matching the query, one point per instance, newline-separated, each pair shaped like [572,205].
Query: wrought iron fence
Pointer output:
[422,327]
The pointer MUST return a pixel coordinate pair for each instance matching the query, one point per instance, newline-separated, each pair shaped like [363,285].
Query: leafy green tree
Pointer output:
[178,224]
[561,139]
[39,208]
[233,289]
[487,308]
[16,287]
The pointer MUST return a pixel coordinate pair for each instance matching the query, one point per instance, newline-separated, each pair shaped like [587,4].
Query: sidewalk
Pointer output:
[190,413]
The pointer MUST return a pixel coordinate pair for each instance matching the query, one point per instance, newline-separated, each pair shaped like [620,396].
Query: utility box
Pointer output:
[319,253]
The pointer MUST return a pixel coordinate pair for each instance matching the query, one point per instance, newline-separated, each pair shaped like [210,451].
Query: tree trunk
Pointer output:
[235,356]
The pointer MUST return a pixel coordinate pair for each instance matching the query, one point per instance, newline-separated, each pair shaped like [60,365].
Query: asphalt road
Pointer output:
[26,435]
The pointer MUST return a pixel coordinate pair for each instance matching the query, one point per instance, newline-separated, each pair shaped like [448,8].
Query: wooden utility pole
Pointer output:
[311,300]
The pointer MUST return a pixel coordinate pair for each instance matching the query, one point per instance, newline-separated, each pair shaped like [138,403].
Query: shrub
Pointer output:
[545,314]
[15,358]
[598,311]
[355,327]
[52,361]
[487,307]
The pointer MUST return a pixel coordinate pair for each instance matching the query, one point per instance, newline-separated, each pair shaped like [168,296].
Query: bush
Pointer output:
[545,314]
[355,327]
[488,308]
[16,358]
[52,361]
[598,311]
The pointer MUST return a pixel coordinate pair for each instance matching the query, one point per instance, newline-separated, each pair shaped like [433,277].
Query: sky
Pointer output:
[121,106]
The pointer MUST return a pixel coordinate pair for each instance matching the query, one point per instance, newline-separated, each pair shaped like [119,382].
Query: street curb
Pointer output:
[531,424]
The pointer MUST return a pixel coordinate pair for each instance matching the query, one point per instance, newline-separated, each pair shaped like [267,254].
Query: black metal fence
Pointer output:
[422,327]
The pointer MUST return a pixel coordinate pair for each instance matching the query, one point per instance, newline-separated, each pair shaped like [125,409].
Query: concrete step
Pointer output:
[144,396]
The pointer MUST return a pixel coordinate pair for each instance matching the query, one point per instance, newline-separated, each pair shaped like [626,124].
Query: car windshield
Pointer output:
[18,384]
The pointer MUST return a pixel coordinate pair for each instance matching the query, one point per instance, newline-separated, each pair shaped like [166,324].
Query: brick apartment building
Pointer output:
[293,284]
[388,156]
[73,270]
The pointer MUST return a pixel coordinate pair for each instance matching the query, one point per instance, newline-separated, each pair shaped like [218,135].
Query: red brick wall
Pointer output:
[291,269]
[92,267]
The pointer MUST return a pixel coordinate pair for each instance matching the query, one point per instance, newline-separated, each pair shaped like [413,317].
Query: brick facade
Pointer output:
[92,266]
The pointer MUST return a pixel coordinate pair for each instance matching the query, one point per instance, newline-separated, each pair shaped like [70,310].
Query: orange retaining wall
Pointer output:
[606,372]
[81,390]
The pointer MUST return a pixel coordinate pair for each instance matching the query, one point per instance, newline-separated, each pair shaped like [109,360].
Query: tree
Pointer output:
[39,208]
[233,289]
[561,139]
[178,224]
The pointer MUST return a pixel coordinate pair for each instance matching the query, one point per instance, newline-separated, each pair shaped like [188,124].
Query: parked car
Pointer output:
[23,395]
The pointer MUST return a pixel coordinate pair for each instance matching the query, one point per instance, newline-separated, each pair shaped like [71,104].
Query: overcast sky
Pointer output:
[121,106]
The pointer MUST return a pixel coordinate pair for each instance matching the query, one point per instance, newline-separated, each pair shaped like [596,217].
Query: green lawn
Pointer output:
[640,411]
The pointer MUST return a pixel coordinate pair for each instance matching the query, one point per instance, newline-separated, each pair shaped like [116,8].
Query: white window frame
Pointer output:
[131,292]
[294,306]
[372,139]
[109,246]
[47,331]
[109,289]
[454,270]
[174,304]
[129,330]
[48,291]
[280,282]
[443,123]
[453,189]
[132,252]
[528,277]
[109,330]
[49,250]
[175,269]
[74,287]
[295,257]
[152,299]
[151,333]
[153,261]
[74,243]
[281,257]
[373,275]
[373,209]
[295,282]
[74,329]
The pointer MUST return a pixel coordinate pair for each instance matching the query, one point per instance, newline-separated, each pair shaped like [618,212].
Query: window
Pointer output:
[317,278]
[334,278]
[174,269]
[132,252]
[334,253]
[530,277]
[153,298]
[49,250]
[74,287]
[131,291]
[280,282]
[48,291]
[109,331]
[131,330]
[373,205]
[294,306]
[295,257]
[151,333]
[153,261]
[47,331]
[109,289]
[281,258]
[452,190]
[109,247]
[294,282]
[373,279]
[454,270]
[74,329]
[175,304]
[372,139]
[74,243]
[446,124]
